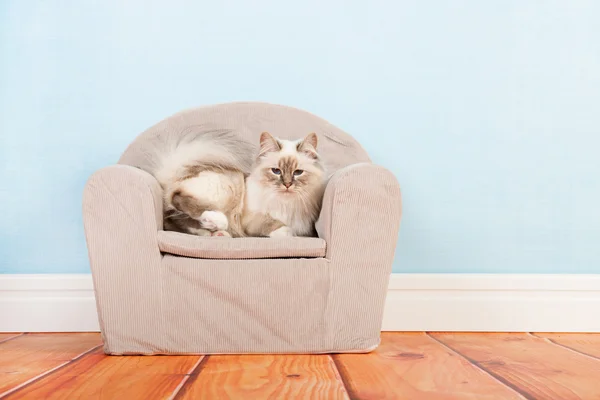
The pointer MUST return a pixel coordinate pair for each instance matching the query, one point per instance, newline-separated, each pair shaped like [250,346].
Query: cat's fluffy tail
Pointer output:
[220,148]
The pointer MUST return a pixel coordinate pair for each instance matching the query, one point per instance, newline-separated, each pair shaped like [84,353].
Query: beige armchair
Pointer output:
[162,292]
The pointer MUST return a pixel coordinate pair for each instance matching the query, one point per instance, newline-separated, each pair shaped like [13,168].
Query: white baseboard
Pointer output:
[415,302]
[47,303]
[493,303]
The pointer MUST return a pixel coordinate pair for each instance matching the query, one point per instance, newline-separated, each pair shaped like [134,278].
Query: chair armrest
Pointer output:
[133,192]
[359,220]
[122,214]
[360,216]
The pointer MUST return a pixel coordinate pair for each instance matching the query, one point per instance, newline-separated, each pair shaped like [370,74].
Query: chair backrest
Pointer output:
[247,120]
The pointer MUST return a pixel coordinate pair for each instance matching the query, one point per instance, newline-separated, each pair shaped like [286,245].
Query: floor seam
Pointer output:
[17,335]
[190,378]
[185,378]
[48,372]
[340,377]
[491,374]
[551,341]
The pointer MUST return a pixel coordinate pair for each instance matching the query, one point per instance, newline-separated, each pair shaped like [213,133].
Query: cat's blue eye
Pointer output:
[298,172]
[276,171]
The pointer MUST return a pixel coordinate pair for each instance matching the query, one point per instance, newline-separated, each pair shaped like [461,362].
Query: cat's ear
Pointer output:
[268,144]
[308,145]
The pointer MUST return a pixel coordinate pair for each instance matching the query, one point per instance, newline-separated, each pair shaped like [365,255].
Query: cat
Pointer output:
[285,188]
[213,188]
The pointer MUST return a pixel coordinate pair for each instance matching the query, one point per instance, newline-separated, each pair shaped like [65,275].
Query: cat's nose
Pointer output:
[287,184]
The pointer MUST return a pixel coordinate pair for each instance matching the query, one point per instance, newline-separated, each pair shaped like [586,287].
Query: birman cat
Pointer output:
[214,187]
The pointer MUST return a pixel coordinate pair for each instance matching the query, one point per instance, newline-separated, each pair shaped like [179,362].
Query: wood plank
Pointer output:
[414,366]
[535,367]
[8,336]
[586,343]
[98,376]
[31,355]
[266,377]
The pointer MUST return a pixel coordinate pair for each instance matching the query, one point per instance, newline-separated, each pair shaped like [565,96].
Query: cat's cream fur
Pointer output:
[209,193]
[287,184]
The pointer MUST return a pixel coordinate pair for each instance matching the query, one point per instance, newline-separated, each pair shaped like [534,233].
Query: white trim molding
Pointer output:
[47,303]
[493,303]
[415,302]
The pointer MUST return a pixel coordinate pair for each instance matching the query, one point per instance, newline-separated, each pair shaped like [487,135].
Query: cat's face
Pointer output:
[290,167]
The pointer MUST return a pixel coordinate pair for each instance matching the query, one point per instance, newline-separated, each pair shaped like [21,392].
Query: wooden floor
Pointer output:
[411,366]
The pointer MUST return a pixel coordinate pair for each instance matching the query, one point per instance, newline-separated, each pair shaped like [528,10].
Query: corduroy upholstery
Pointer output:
[163,292]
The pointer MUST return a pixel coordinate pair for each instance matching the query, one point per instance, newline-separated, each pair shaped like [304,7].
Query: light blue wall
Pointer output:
[488,112]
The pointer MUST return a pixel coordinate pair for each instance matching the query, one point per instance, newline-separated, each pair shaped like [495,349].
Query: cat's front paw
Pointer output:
[284,231]
[214,221]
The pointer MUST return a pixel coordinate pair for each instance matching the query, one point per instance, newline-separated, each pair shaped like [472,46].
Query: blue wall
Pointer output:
[487,111]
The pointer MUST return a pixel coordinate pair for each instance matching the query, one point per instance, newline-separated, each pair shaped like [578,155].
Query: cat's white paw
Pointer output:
[220,234]
[284,231]
[214,221]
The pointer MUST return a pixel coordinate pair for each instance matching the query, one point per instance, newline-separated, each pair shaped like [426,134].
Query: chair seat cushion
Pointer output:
[182,244]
